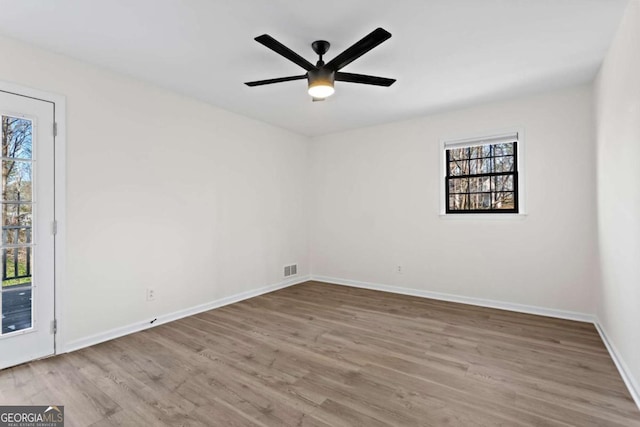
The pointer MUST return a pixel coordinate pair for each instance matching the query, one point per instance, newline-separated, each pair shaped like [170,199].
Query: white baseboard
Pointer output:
[140,326]
[625,373]
[502,305]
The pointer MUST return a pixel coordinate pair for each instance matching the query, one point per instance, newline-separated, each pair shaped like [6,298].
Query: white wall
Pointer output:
[617,92]
[376,205]
[165,192]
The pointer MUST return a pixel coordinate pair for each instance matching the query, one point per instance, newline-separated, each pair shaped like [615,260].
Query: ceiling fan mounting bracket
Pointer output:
[320,46]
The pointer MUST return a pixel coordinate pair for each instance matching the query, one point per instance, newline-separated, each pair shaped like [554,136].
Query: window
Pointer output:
[482,175]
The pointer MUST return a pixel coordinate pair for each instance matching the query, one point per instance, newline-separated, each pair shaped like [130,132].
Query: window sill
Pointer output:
[484,217]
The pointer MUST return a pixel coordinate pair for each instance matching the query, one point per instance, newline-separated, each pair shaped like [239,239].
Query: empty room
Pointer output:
[292,213]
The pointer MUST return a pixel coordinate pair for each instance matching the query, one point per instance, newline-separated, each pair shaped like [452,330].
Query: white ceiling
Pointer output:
[444,53]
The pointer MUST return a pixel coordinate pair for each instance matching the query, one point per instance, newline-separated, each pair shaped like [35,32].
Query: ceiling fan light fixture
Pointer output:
[321,83]
[321,90]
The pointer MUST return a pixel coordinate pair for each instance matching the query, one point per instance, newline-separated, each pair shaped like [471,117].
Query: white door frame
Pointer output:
[60,145]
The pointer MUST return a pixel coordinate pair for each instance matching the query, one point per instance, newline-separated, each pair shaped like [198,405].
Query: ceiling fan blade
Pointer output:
[358,49]
[278,47]
[278,80]
[364,79]
[318,99]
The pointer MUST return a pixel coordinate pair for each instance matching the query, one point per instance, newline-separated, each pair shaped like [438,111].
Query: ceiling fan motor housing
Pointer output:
[321,76]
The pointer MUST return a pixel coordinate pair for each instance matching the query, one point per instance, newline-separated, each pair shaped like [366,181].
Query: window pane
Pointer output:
[473,185]
[16,180]
[480,201]
[459,185]
[504,200]
[16,137]
[479,151]
[475,166]
[503,164]
[458,202]
[459,153]
[486,166]
[503,183]
[480,166]
[477,185]
[484,184]
[503,149]
[459,168]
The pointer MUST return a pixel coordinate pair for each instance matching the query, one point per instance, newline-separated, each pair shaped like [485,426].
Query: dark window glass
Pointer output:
[482,178]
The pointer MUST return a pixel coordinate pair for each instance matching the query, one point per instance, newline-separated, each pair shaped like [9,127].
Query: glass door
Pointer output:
[27,239]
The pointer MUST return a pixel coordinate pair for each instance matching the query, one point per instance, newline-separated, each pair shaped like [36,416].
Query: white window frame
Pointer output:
[480,138]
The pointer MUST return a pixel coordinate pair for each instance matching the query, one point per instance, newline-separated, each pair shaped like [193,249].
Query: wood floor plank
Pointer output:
[324,355]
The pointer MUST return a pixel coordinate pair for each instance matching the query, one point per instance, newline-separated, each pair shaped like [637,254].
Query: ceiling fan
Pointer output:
[321,77]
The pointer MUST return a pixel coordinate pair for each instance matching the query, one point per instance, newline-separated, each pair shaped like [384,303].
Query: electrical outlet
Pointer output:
[151,294]
[399,269]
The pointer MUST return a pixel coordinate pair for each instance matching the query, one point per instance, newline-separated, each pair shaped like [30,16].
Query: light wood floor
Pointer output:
[325,355]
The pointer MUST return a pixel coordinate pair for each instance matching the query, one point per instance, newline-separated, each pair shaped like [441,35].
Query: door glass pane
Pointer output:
[16,197]
[16,214]
[16,235]
[17,265]
[16,181]
[16,308]
[17,136]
